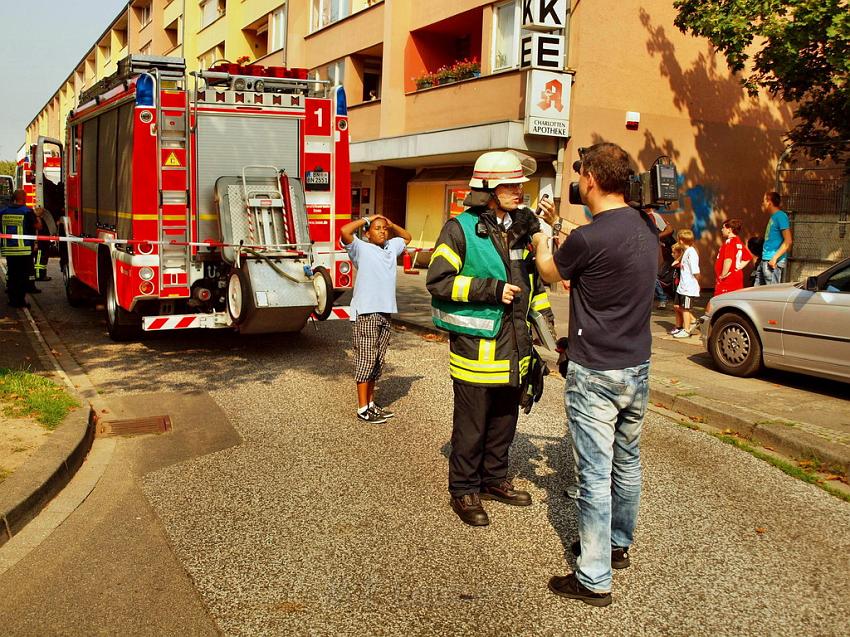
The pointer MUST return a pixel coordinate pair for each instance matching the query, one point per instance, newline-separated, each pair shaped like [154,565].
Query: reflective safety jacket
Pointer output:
[490,342]
[16,220]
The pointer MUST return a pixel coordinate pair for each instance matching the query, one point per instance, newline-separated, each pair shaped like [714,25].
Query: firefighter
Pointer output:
[483,285]
[18,219]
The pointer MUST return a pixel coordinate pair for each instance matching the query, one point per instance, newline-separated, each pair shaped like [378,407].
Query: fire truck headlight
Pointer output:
[344,267]
[146,274]
[239,84]
[259,86]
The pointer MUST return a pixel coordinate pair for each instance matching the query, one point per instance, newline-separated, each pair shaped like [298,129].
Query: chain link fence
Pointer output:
[816,196]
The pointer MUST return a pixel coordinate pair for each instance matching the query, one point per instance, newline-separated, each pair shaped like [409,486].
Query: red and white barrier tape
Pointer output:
[109,241]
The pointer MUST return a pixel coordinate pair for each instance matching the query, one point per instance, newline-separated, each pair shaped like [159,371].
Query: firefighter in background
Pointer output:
[17,219]
[483,285]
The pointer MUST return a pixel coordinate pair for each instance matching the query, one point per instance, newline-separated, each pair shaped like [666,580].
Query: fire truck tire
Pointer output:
[75,292]
[240,296]
[324,292]
[121,324]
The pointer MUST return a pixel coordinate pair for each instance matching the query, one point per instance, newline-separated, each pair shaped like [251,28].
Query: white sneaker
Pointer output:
[662,305]
[682,334]
[674,331]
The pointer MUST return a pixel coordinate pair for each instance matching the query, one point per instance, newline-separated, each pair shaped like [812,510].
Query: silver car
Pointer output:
[802,327]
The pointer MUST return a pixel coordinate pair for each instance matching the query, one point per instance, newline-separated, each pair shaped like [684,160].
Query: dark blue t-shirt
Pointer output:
[612,264]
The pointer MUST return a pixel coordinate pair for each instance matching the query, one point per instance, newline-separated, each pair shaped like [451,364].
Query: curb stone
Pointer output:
[27,491]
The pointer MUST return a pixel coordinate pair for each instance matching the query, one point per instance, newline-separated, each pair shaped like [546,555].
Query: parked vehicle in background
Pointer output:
[801,327]
[7,187]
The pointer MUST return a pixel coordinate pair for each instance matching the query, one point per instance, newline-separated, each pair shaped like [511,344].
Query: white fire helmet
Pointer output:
[501,167]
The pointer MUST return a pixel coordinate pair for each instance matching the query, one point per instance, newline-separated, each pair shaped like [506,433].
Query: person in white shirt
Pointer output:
[688,289]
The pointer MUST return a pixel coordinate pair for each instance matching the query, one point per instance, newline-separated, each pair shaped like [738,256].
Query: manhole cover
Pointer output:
[134,426]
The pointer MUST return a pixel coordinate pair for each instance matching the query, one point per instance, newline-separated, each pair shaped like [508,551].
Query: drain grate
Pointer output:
[134,426]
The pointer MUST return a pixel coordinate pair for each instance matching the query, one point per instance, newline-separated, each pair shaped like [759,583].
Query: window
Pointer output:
[839,282]
[146,49]
[506,36]
[173,32]
[144,12]
[277,29]
[211,10]
[336,72]
[206,59]
[326,12]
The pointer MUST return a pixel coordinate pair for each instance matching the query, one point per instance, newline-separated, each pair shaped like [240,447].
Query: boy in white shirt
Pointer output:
[688,289]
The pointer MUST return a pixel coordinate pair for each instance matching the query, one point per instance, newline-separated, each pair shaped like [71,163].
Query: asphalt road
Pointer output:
[319,524]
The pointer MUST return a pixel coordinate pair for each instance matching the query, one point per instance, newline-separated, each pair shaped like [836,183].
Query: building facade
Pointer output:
[431,85]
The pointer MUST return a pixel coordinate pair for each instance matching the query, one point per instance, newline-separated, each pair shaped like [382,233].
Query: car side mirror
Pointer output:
[812,284]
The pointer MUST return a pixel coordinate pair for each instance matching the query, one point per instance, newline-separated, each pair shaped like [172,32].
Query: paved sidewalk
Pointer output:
[802,416]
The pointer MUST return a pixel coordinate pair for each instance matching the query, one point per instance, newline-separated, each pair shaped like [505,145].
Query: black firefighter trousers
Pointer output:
[17,279]
[483,429]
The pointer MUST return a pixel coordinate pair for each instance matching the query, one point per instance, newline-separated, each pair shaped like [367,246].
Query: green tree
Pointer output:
[799,50]
[7,167]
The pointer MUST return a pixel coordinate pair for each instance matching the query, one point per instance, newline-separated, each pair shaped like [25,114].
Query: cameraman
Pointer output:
[611,264]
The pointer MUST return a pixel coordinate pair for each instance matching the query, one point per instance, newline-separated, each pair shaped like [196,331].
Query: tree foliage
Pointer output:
[799,50]
[7,167]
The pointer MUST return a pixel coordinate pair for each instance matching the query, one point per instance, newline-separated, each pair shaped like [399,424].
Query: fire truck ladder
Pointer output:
[175,213]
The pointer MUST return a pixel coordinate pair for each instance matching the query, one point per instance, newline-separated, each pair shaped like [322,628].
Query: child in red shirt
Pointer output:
[731,259]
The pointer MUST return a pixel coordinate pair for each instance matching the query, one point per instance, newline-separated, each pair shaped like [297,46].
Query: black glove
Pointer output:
[533,388]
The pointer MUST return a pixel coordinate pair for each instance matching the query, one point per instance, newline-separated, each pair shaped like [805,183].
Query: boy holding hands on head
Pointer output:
[372,303]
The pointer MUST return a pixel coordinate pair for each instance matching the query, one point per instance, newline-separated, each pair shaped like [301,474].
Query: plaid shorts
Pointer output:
[371,339]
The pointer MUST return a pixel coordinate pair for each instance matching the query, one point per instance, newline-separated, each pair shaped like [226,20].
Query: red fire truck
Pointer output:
[211,206]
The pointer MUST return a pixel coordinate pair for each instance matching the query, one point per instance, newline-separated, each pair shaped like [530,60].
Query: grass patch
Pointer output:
[29,395]
[793,470]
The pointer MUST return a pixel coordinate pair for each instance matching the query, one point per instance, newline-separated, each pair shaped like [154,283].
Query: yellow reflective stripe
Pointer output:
[523,366]
[502,378]
[487,349]
[541,302]
[460,288]
[479,366]
[449,255]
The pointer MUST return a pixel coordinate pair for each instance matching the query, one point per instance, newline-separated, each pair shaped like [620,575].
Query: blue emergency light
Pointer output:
[341,104]
[144,90]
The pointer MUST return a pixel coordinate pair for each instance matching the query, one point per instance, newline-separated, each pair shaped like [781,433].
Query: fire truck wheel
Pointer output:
[75,291]
[240,297]
[324,292]
[121,324]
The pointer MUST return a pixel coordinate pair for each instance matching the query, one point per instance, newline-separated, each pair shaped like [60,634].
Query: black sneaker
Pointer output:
[619,557]
[571,588]
[371,416]
[386,413]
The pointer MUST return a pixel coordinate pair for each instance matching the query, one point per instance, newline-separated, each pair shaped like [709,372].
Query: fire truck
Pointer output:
[39,174]
[210,206]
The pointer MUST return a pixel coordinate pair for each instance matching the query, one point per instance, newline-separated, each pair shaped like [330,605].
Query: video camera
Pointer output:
[655,188]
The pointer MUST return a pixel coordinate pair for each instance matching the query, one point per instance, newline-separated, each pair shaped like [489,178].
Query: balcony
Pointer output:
[365,121]
[496,98]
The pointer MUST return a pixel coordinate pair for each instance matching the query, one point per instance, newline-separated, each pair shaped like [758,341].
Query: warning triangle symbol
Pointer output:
[172,160]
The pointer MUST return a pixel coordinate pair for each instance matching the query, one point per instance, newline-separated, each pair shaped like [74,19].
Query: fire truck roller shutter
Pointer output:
[125,170]
[107,164]
[226,143]
[88,176]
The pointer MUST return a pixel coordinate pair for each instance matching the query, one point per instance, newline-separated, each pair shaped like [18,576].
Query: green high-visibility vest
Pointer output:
[13,223]
[481,260]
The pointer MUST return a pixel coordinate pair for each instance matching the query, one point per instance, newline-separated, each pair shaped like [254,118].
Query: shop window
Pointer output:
[506,30]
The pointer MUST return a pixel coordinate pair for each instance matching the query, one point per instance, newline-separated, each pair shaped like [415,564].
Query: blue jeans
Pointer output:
[659,292]
[765,275]
[605,412]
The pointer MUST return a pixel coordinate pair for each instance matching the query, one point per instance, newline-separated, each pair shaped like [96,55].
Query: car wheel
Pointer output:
[735,346]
